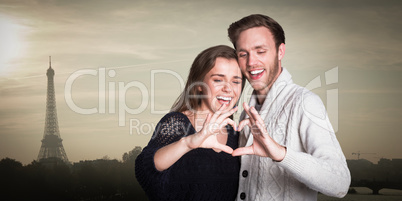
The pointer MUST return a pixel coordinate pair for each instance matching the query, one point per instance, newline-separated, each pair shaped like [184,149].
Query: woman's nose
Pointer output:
[227,88]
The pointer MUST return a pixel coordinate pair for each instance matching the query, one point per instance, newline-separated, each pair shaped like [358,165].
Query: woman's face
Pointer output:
[222,85]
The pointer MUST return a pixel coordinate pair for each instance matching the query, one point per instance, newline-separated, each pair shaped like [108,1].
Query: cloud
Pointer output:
[135,37]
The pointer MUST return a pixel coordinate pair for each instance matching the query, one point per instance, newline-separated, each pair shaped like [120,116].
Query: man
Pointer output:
[289,150]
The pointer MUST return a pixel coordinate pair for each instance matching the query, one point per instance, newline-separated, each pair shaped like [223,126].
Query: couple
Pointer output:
[288,148]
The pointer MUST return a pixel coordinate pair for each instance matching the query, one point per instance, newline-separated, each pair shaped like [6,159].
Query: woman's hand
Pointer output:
[213,125]
[205,138]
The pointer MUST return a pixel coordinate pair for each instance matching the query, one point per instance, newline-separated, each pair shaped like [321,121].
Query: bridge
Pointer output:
[376,186]
[386,174]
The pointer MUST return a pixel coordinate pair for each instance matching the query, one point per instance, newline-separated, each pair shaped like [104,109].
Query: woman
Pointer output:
[189,155]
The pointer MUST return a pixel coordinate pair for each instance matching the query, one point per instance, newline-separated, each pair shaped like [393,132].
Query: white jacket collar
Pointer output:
[284,79]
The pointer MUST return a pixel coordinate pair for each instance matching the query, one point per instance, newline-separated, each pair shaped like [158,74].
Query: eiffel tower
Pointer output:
[52,147]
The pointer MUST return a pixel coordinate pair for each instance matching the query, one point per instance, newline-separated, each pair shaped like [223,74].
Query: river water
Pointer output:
[364,194]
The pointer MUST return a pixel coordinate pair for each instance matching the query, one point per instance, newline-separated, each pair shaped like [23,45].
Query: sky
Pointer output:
[120,65]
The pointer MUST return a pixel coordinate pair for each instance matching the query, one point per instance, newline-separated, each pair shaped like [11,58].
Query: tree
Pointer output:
[11,177]
[132,155]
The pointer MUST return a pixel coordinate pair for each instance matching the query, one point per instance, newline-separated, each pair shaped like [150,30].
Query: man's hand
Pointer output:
[263,144]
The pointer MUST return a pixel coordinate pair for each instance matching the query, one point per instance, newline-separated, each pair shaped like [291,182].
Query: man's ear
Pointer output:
[281,51]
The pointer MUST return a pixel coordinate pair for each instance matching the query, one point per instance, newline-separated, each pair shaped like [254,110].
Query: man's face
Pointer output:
[258,58]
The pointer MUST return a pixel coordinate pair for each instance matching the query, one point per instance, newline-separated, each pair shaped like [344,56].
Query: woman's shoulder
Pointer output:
[170,128]
[174,117]
[173,121]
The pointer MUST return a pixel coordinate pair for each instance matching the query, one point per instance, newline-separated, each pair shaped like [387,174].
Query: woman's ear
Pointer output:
[199,88]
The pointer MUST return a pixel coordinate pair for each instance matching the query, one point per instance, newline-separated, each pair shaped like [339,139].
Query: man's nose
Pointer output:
[252,60]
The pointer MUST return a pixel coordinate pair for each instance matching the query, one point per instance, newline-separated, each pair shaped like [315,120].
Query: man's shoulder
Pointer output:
[299,95]
[296,92]
[308,102]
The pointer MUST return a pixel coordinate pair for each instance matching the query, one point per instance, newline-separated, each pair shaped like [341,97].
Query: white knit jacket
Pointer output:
[295,118]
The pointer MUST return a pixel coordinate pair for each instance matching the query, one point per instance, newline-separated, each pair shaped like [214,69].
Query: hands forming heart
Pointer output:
[213,125]
[263,145]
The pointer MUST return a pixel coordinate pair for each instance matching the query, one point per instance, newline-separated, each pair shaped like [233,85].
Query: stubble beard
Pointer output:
[261,87]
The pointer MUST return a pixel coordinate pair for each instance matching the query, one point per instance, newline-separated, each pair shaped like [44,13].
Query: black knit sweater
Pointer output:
[201,174]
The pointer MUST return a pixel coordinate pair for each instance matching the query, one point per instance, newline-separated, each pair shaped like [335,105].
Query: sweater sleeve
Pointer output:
[170,128]
[322,167]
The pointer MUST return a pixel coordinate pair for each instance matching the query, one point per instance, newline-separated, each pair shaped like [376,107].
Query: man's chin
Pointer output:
[258,86]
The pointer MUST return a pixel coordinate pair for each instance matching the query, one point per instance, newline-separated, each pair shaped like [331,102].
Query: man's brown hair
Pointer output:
[256,20]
